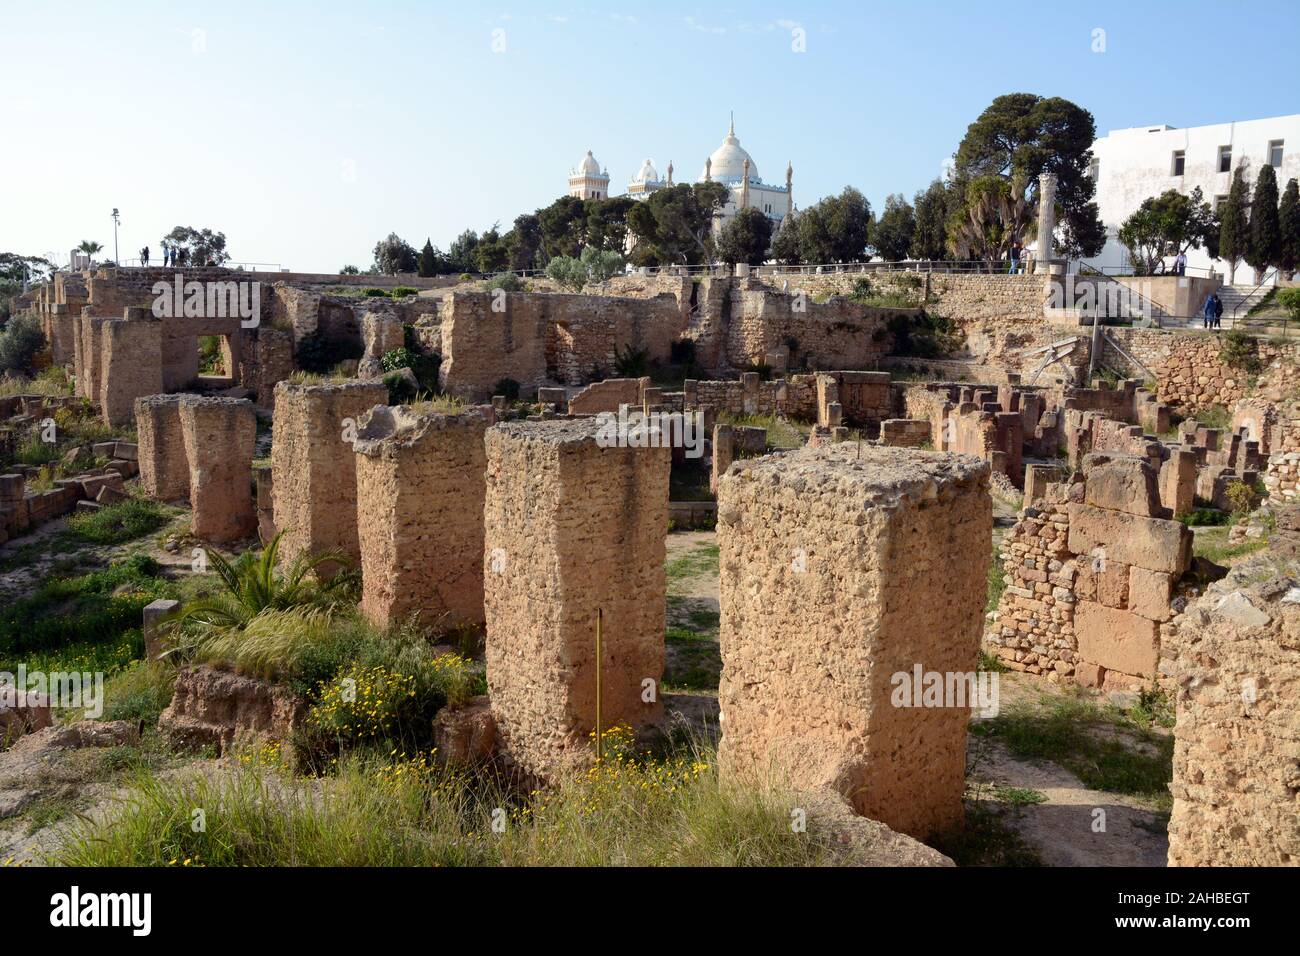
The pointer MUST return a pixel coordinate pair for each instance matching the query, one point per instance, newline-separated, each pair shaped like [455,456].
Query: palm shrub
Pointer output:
[253,583]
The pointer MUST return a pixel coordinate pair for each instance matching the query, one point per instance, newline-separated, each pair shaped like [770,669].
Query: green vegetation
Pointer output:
[77,617]
[923,335]
[1205,517]
[1107,748]
[20,341]
[703,560]
[1212,544]
[116,523]
[403,811]
[781,432]
[997,583]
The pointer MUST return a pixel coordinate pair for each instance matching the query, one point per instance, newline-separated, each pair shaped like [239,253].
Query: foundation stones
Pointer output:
[837,574]
[571,528]
[420,481]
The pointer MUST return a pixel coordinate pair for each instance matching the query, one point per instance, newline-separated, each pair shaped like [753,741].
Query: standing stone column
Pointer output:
[571,527]
[164,464]
[420,487]
[131,364]
[220,435]
[314,471]
[1046,219]
[844,582]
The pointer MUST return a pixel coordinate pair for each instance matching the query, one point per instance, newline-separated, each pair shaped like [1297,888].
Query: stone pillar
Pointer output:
[1046,220]
[1237,669]
[855,556]
[1037,478]
[314,466]
[164,464]
[570,528]
[91,356]
[420,488]
[1178,482]
[77,359]
[263,485]
[220,435]
[130,365]
[724,451]
[61,347]
[154,615]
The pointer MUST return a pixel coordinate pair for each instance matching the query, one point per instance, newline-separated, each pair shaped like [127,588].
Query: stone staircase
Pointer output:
[1239,299]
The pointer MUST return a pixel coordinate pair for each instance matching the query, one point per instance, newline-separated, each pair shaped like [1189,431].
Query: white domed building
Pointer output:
[734,168]
[588,180]
[647,180]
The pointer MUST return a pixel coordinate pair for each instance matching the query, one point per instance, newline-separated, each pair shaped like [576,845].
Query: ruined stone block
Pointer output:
[1153,543]
[164,465]
[130,364]
[421,480]
[314,466]
[571,528]
[1149,593]
[1178,482]
[1123,484]
[854,556]
[1118,640]
[156,614]
[220,435]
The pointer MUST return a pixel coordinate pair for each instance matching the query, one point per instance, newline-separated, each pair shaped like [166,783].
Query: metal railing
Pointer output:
[1269,278]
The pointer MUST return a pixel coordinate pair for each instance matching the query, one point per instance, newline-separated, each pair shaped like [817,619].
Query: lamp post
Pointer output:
[117,261]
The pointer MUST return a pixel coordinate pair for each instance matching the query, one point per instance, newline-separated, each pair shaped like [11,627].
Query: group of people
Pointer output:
[1213,311]
[172,256]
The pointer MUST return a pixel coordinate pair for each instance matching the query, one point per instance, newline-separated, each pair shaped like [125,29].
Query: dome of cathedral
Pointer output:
[647,173]
[589,166]
[727,162]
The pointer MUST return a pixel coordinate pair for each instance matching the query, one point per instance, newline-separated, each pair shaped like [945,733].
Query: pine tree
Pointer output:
[1234,228]
[428,260]
[1288,216]
[1265,245]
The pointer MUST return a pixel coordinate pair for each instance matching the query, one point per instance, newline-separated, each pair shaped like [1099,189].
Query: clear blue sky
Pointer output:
[307,130]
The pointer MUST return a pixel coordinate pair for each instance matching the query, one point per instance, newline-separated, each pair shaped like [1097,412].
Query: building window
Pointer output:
[1179,161]
[1219,201]
[1225,159]
[1275,153]
[1094,169]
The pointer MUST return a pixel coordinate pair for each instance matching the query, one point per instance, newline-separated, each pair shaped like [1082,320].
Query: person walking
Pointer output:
[1218,310]
[1015,257]
[144,257]
[1207,312]
[1180,264]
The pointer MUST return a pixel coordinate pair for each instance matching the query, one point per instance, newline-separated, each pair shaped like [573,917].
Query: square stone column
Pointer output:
[130,364]
[314,467]
[220,435]
[420,487]
[571,527]
[844,580]
[164,464]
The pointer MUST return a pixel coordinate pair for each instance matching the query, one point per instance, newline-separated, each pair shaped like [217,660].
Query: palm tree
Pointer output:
[253,585]
[89,247]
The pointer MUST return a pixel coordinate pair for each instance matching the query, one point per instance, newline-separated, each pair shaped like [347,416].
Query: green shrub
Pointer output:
[34,451]
[1203,517]
[1238,350]
[506,282]
[1289,299]
[375,293]
[402,291]
[20,341]
[124,521]
[140,692]
[319,354]
[924,335]
[400,389]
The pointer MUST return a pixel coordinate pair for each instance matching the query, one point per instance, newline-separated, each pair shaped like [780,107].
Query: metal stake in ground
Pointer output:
[600,738]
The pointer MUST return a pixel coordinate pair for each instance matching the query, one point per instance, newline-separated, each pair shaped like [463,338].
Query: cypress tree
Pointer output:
[1265,245]
[428,261]
[1234,228]
[1288,216]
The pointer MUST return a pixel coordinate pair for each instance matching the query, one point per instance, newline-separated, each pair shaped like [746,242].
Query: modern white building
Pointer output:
[1131,165]
[647,180]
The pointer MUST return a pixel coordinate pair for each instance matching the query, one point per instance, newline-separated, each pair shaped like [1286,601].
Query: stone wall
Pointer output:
[855,558]
[571,528]
[1090,573]
[313,464]
[1237,667]
[808,333]
[420,485]
[220,435]
[750,395]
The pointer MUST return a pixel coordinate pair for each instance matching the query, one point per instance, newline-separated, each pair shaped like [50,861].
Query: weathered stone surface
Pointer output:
[215,708]
[854,555]
[571,528]
[164,467]
[1124,484]
[1237,738]
[1118,640]
[21,712]
[421,481]
[1149,593]
[314,470]
[1152,543]
[220,437]
[466,735]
